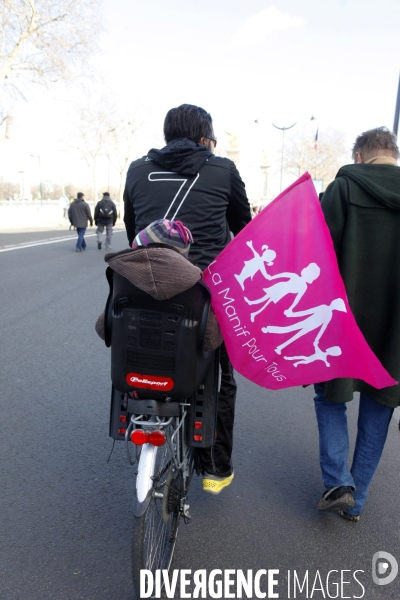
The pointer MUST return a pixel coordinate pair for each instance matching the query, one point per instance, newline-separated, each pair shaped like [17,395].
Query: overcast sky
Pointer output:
[335,59]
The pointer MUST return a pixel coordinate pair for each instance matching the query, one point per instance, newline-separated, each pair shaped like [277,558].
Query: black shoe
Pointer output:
[348,517]
[337,499]
[99,245]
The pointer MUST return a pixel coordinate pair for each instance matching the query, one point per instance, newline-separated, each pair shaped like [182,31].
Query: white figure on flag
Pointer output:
[318,355]
[256,264]
[318,316]
[294,284]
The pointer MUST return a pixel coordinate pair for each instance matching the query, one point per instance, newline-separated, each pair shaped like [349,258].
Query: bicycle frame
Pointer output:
[179,451]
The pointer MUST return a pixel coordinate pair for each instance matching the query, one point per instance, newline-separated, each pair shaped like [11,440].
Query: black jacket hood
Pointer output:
[181,156]
[381,182]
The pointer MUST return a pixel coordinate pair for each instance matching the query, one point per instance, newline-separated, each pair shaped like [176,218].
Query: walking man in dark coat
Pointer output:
[105,215]
[362,210]
[79,214]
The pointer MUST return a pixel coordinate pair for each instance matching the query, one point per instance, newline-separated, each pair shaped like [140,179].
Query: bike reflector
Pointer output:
[155,438]
[150,382]
[138,437]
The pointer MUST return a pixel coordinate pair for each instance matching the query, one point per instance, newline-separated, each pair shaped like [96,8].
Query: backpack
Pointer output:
[105,211]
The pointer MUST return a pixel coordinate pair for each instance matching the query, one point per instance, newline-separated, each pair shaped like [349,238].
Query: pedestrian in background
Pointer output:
[79,214]
[362,210]
[105,215]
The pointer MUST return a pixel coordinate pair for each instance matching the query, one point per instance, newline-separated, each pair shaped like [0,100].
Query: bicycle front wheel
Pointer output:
[155,531]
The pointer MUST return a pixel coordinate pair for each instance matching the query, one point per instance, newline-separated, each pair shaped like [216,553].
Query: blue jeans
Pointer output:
[81,244]
[372,427]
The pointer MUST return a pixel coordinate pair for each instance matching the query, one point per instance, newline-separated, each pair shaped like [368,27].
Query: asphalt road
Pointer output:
[66,512]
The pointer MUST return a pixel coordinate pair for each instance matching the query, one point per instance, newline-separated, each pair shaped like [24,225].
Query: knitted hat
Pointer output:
[164,231]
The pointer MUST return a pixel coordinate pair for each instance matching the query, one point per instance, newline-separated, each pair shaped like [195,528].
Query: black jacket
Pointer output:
[184,181]
[79,213]
[105,212]
[362,210]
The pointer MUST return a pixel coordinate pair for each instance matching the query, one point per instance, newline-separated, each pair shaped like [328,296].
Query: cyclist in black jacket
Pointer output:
[185,181]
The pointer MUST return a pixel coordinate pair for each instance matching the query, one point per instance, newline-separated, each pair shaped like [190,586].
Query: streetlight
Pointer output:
[40,176]
[396,112]
[283,129]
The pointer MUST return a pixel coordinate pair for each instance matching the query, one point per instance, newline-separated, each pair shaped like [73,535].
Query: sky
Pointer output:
[277,62]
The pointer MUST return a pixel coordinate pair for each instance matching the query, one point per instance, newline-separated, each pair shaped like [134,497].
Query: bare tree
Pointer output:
[45,40]
[104,128]
[92,134]
[322,157]
[121,150]
[5,123]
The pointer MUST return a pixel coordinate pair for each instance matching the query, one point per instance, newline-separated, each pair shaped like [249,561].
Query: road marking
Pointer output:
[49,241]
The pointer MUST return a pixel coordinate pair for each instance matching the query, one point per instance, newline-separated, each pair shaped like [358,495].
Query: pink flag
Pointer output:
[281,302]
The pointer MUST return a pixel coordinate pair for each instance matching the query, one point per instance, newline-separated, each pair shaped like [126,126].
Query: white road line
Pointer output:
[49,241]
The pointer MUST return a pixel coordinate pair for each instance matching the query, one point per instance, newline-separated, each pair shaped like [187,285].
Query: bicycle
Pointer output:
[166,413]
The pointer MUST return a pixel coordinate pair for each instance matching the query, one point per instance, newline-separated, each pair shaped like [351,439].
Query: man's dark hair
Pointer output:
[376,142]
[106,194]
[188,121]
[80,195]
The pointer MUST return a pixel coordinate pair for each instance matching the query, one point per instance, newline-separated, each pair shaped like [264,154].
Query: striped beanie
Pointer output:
[164,231]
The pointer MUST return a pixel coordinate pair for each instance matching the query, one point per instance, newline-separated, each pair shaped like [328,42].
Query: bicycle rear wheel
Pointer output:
[154,532]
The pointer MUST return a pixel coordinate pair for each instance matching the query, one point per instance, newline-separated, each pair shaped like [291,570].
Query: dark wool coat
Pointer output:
[79,213]
[362,210]
[105,212]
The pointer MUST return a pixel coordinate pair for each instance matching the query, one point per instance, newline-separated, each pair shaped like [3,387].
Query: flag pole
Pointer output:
[397,111]
[316,152]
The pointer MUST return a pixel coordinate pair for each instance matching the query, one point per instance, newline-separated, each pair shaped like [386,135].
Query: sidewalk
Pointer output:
[33,215]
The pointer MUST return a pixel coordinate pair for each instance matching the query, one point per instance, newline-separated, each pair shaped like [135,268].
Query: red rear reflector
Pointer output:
[198,438]
[198,424]
[122,430]
[122,418]
[138,437]
[157,438]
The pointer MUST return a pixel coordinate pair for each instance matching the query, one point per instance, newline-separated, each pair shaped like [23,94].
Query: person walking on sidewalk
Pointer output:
[362,210]
[79,214]
[105,215]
